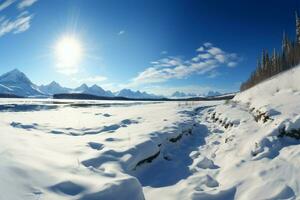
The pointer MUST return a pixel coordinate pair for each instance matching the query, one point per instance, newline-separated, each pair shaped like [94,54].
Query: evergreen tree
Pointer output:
[269,66]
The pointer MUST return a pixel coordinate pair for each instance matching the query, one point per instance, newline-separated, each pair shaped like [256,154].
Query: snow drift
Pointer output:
[244,148]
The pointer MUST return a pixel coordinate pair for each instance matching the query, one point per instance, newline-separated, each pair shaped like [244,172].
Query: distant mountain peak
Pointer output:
[213,93]
[54,83]
[136,94]
[15,75]
[95,86]
[53,88]
[178,94]
[82,87]
[16,70]
[17,83]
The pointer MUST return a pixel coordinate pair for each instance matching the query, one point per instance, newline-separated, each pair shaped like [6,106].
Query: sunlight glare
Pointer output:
[68,51]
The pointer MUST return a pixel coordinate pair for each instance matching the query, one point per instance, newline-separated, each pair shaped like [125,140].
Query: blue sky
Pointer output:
[159,46]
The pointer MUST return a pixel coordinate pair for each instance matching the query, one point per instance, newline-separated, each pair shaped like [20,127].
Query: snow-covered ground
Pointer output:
[154,150]
[83,149]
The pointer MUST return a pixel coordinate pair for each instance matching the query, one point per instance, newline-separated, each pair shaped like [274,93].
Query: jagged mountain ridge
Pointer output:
[54,88]
[17,83]
[94,90]
[136,94]
[179,94]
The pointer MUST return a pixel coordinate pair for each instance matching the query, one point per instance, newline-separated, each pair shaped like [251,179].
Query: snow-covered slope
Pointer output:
[253,142]
[53,88]
[280,92]
[82,88]
[178,94]
[136,94]
[87,150]
[94,90]
[210,93]
[16,82]
[243,149]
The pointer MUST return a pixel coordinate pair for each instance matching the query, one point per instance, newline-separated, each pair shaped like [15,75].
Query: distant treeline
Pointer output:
[2,95]
[270,65]
[94,97]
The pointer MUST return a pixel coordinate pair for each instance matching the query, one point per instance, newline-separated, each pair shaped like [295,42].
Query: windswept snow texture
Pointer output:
[215,150]
[82,152]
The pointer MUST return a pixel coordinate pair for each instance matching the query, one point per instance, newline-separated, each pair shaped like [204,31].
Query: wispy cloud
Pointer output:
[121,32]
[207,59]
[5,4]
[26,3]
[19,25]
[213,74]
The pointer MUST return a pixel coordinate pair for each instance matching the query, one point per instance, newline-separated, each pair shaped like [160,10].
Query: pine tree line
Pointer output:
[270,65]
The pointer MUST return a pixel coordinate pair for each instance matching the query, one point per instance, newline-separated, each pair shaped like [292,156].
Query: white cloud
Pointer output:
[213,74]
[201,56]
[232,64]
[164,52]
[215,51]
[26,3]
[121,32]
[207,44]
[5,4]
[19,25]
[208,58]
[167,62]
[200,49]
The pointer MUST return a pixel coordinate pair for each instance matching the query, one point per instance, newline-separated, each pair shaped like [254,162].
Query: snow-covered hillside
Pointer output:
[83,150]
[245,148]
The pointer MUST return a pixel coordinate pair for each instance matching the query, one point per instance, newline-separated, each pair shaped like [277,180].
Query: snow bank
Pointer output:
[279,93]
[241,155]
[172,151]
[55,150]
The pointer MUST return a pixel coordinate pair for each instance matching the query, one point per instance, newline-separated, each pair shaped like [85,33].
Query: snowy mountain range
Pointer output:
[132,94]
[17,83]
[94,90]
[178,94]
[53,88]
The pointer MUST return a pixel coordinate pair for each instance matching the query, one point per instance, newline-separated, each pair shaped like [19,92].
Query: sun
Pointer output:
[68,51]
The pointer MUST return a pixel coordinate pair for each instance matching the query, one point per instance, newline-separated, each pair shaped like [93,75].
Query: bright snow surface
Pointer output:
[153,150]
[87,150]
